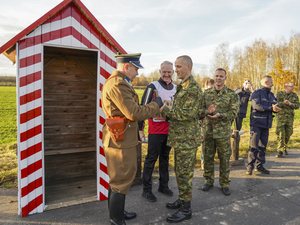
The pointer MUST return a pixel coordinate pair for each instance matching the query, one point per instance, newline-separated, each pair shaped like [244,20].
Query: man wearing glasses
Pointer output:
[288,101]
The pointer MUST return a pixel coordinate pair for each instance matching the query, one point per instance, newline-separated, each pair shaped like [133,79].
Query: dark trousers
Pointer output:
[157,147]
[258,143]
[238,121]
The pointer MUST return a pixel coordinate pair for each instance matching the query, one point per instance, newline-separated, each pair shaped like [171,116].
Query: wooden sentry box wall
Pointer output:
[63,59]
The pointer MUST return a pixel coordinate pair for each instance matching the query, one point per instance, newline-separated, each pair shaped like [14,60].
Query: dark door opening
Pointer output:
[70,99]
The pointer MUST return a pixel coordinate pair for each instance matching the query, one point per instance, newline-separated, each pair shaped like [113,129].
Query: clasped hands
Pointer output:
[287,102]
[276,108]
[211,109]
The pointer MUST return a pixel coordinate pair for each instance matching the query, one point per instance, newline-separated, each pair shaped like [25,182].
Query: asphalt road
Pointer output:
[257,200]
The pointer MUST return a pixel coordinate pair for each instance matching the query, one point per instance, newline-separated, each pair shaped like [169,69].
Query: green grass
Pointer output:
[8,114]
[8,165]
[8,136]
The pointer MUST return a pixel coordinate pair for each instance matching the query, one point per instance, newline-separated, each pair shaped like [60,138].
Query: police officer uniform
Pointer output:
[260,122]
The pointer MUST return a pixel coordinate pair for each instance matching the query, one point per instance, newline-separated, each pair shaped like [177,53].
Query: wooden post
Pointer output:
[138,176]
[235,142]
[139,161]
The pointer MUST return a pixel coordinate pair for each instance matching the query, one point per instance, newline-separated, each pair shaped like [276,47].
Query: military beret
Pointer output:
[134,59]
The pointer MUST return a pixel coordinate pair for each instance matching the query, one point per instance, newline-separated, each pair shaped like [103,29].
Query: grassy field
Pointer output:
[8,137]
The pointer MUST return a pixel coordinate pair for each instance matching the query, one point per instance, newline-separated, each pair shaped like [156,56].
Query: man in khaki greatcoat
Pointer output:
[120,100]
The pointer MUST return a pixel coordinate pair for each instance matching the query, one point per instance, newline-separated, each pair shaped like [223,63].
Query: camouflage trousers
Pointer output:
[185,160]
[222,147]
[284,131]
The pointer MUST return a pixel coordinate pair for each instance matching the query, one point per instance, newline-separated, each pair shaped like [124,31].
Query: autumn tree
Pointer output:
[281,76]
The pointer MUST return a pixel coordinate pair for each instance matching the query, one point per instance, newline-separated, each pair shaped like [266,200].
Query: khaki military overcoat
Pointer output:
[120,99]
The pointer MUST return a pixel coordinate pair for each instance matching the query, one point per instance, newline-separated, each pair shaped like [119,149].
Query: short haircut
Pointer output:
[288,83]
[186,59]
[264,79]
[209,81]
[166,62]
[221,70]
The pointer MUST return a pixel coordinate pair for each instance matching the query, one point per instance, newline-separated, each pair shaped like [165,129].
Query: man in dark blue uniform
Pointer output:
[263,104]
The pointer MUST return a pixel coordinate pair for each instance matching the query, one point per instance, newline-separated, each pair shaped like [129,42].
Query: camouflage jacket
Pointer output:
[184,129]
[227,102]
[286,114]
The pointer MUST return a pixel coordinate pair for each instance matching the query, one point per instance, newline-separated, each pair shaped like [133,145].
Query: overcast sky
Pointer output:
[164,29]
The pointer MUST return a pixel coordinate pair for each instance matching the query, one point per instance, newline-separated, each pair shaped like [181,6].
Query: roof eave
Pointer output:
[6,48]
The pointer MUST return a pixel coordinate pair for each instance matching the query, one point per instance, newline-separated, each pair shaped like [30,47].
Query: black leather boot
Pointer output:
[184,213]
[116,203]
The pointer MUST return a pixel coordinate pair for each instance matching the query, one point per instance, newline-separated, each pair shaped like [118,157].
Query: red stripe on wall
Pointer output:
[104,183]
[30,78]
[108,60]
[31,169]
[100,134]
[31,150]
[30,60]
[31,133]
[101,151]
[30,97]
[31,114]
[101,86]
[103,168]
[32,205]
[31,187]
[53,35]
[102,120]
[106,43]
[104,73]
[102,197]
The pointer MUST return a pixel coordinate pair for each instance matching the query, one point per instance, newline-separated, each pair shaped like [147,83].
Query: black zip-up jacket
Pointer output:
[244,95]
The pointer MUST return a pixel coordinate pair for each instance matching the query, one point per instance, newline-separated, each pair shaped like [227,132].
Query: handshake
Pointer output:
[158,101]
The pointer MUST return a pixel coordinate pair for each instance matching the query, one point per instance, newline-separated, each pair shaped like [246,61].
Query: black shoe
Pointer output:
[206,187]
[262,170]
[174,205]
[285,152]
[166,191]
[184,213]
[279,155]
[129,215]
[249,171]
[226,191]
[149,196]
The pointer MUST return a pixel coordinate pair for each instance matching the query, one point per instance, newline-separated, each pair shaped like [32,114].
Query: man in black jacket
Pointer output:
[263,104]
[244,95]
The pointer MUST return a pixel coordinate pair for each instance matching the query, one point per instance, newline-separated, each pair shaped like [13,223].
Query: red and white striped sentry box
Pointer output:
[70,24]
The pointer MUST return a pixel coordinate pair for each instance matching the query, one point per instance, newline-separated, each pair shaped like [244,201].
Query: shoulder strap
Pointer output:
[105,112]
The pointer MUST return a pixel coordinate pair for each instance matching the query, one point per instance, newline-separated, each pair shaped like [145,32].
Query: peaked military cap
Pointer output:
[134,59]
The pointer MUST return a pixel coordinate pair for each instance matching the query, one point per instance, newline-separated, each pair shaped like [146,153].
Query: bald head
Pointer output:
[186,59]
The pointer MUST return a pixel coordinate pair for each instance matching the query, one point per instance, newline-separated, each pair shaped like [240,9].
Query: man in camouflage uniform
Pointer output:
[217,130]
[288,101]
[184,135]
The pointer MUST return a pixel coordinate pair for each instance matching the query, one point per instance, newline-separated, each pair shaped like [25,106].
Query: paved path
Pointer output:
[257,200]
